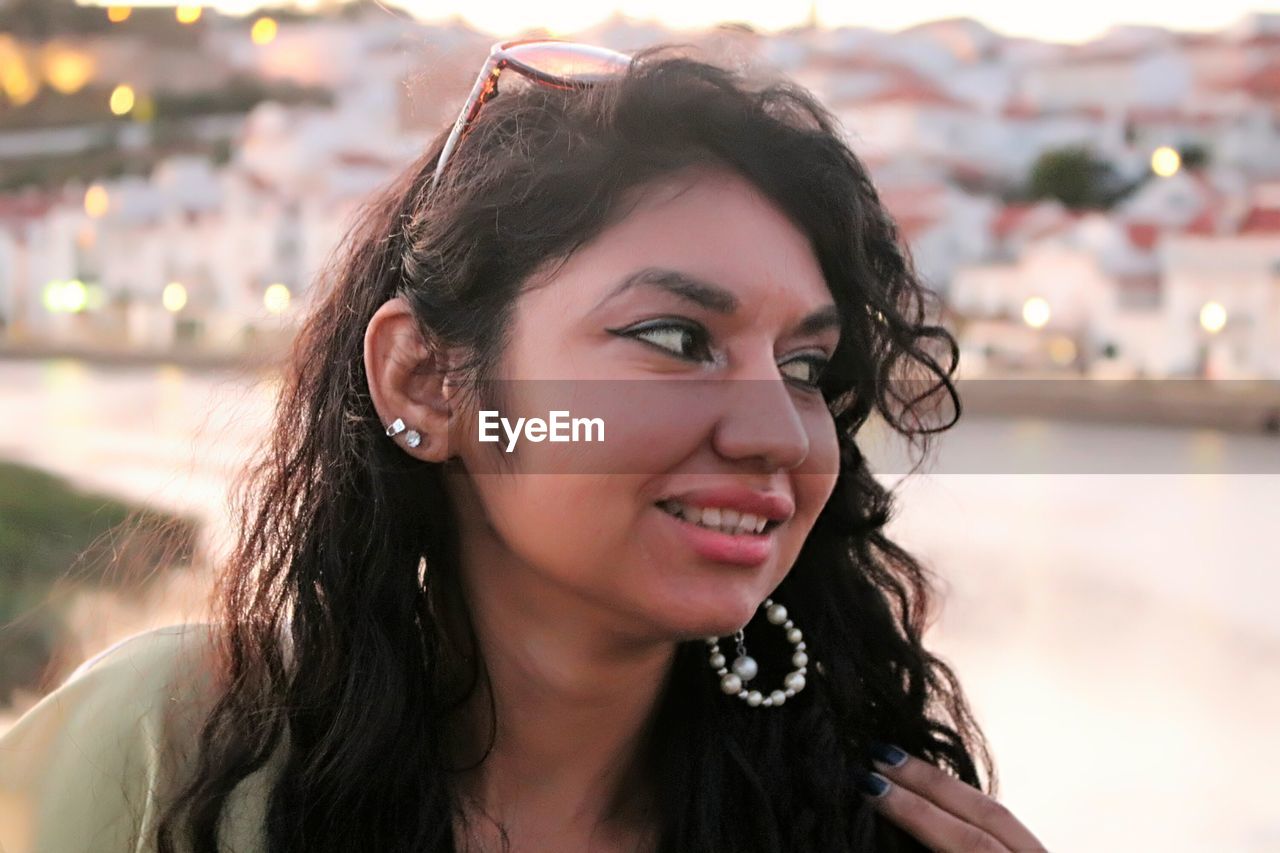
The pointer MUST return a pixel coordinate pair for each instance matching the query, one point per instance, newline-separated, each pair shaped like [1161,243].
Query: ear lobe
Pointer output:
[406,379]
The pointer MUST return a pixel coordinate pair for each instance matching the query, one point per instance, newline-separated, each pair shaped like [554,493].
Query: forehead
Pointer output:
[712,223]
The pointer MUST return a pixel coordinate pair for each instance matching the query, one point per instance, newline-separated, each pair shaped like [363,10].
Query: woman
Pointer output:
[432,639]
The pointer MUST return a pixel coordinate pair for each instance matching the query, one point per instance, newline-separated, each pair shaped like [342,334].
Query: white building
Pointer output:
[945,228]
[1111,77]
[1188,296]
[1240,275]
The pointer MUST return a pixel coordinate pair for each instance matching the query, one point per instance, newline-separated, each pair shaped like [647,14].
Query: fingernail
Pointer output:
[889,754]
[872,784]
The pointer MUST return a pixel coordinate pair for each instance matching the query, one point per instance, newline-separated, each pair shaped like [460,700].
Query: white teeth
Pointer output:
[716,518]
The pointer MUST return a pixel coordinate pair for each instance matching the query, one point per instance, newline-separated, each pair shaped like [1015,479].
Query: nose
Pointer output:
[759,422]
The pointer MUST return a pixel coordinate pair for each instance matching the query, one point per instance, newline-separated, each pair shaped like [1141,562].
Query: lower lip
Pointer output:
[748,549]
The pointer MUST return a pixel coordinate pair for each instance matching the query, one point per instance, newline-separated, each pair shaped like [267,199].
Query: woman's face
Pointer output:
[700,372]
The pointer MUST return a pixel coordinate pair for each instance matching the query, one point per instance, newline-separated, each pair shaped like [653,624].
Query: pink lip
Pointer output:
[770,505]
[741,549]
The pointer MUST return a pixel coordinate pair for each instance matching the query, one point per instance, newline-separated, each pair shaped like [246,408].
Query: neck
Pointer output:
[572,698]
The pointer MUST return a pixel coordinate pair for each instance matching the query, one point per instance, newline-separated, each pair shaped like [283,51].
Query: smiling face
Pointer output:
[694,329]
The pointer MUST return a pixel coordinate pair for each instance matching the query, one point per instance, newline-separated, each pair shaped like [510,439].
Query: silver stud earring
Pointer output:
[411,437]
[745,667]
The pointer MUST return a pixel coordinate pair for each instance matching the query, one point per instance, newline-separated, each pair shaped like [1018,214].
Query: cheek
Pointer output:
[570,527]
[815,479]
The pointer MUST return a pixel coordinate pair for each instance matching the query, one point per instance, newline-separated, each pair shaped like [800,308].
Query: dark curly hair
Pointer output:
[348,547]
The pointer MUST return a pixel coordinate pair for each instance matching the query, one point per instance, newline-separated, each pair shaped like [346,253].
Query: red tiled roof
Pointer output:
[904,85]
[1196,39]
[26,205]
[1082,54]
[1092,111]
[1261,40]
[361,158]
[965,170]
[1019,108]
[1261,220]
[852,62]
[1014,218]
[1009,218]
[1206,223]
[913,225]
[1143,235]
[899,197]
[914,92]
[259,183]
[1171,115]
[1265,82]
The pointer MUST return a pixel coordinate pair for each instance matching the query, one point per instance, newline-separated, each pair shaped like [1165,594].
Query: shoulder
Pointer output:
[82,767]
[159,678]
[154,652]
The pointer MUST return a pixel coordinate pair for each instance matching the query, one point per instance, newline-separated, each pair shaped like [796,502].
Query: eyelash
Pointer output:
[635,332]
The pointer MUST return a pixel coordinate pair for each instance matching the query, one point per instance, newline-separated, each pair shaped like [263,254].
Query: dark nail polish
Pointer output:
[889,754]
[871,784]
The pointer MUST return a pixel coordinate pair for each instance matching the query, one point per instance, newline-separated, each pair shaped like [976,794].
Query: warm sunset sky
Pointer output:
[1056,21]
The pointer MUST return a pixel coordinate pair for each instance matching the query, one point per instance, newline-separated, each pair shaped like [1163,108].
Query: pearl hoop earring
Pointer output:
[745,667]
[411,437]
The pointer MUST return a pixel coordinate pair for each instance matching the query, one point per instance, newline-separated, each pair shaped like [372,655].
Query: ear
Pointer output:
[407,380]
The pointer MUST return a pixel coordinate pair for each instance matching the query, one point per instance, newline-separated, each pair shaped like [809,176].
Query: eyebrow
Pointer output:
[713,297]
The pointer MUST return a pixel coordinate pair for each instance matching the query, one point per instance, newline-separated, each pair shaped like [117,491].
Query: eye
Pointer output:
[810,369]
[684,339]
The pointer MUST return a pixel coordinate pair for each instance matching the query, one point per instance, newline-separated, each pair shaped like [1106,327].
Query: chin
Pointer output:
[709,617]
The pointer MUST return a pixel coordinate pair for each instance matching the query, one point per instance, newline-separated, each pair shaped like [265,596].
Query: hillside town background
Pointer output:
[1108,209]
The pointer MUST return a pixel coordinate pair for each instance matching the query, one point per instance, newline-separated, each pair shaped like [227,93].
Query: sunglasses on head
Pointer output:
[550,62]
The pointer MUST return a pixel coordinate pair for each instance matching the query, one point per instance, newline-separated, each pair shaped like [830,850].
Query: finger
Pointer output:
[961,800]
[938,829]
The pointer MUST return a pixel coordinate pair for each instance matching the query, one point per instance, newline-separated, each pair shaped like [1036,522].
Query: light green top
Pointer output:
[89,765]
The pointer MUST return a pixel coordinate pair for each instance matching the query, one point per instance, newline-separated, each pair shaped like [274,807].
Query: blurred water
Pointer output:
[1118,635]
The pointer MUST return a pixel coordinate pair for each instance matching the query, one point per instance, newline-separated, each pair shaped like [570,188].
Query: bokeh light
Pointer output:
[122,100]
[276,298]
[52,296]
[97,201]
[1213,317]
[17,80]
[66,70]
[66,297]
[1035,312]
[1165,161]
[264,31]
[174,297]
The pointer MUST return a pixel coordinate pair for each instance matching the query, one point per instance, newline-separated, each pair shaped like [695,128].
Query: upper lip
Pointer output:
[770,505]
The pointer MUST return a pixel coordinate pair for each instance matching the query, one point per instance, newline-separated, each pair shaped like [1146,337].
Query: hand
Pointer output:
[943,812]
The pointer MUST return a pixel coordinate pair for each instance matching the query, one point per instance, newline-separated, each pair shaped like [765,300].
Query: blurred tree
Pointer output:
[55,539]
[1076,177]
[1194,155]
